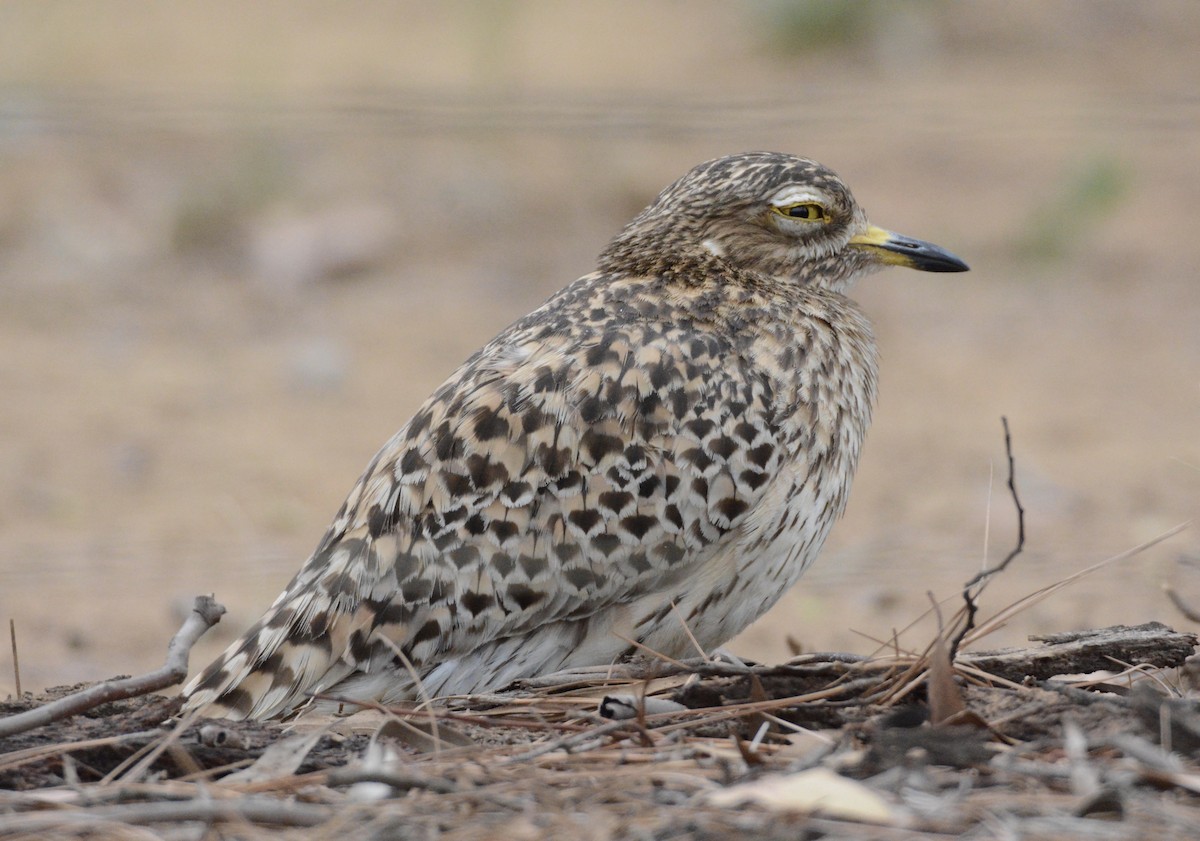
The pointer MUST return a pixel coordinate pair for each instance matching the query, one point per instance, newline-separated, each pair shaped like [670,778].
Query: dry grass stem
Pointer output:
[12,635]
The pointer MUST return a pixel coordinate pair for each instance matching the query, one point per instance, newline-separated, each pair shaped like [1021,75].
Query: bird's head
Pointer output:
[771,214]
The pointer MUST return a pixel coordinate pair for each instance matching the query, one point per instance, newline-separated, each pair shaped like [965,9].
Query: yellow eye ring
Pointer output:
[806,211]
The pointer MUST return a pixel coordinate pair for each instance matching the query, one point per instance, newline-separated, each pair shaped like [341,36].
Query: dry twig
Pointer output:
[981,577]
[1182,606]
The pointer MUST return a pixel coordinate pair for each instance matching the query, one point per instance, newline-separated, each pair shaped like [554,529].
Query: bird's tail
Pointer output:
[272,669]
[318,632]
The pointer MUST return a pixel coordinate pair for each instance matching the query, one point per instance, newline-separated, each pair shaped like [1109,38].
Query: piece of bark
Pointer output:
[1081,652]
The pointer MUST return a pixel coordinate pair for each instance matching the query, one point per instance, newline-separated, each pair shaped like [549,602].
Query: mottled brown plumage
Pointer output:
[667,440]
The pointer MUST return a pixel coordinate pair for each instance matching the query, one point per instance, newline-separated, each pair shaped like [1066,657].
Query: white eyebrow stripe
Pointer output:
[797,195]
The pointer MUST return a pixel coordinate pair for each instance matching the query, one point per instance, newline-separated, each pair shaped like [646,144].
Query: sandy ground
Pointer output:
[239,246]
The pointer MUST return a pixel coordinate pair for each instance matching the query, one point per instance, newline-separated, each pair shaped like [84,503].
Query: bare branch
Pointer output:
[206,612]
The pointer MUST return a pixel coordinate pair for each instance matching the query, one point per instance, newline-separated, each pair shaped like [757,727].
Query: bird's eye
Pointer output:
[809,211]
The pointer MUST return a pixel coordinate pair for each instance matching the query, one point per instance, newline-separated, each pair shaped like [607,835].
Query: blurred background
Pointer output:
[240,243]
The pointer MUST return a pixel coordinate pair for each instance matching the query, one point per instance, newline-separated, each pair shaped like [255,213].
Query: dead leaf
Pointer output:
[815,791]
[279,760]
[946,701]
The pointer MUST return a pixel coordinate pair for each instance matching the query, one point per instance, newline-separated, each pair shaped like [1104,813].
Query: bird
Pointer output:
[645,462]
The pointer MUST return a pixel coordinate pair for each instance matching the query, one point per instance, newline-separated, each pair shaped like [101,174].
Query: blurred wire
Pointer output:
[428,111]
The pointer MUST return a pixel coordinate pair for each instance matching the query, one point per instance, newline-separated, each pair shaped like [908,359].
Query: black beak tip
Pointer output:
[946,262]
[928,257]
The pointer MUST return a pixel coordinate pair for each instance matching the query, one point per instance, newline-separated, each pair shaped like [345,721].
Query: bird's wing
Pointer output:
[560,470]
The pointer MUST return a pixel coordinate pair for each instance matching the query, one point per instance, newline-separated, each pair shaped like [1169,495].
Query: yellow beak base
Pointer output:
[897,250]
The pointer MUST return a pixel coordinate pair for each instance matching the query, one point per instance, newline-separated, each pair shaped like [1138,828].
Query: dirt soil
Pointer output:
[238,246]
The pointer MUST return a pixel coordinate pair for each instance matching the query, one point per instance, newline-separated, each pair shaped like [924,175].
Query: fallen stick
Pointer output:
[206,612]
[399,780]
[1152,644]
[256,810]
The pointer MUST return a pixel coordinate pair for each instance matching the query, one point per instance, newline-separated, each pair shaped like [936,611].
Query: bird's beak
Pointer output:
[896,250]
